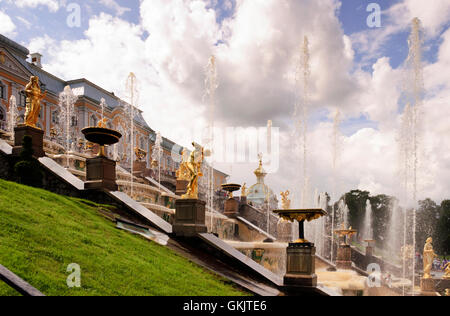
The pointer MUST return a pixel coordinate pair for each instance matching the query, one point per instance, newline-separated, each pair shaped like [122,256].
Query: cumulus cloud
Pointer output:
[256,49]
[6,24]
[52,5]
[115,6]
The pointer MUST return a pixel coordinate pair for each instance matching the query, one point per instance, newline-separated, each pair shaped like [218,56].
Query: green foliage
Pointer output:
[41,233]
[427,218]
[442,236]
[27,169]
[356,202]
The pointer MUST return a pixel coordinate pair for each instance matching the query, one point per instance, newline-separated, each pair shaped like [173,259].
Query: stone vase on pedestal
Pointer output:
[344,257]
[37,140]
[300,265]
[190,218]
[101,174]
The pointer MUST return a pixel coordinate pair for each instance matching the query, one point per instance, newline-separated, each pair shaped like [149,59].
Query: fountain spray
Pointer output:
[67,101]
[335,159]
[211,85]
[302,78]
[12,116]
[133,94]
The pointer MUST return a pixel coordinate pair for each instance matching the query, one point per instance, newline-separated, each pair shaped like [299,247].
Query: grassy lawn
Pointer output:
[41,233]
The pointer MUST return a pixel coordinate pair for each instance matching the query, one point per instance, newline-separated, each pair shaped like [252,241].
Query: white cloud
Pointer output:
[6,24]
[24,22]
[53,5]
[115,6]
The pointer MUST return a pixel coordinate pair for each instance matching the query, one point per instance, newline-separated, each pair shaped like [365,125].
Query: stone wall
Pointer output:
[259,218]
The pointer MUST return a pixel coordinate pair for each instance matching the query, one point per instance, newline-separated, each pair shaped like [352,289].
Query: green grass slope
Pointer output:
[41,233]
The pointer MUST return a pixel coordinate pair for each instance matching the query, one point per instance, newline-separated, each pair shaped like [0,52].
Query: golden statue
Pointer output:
[244,191]
[34,97]
[102,123]
[428,258]
[447,272]
[140,154]
[194,168]
[285,202]
[183,172]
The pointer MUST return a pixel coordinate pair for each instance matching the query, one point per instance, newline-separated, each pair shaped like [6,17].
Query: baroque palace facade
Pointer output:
[15,72]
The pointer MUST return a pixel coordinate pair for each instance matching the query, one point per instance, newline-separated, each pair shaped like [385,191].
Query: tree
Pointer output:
[442,234]
[356,203]
[427,217]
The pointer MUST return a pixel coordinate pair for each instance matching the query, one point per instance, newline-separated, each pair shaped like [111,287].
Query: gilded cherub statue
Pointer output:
[447,271]
[244,191]
[428,257]
[285,202]
[34,97]
[194,166]
[102,123]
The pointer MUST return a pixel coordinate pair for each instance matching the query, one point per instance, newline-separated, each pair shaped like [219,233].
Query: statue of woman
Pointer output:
[34,97]
[428,258]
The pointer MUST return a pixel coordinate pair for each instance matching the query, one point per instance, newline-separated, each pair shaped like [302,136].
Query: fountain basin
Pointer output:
[231,187]
[102,136]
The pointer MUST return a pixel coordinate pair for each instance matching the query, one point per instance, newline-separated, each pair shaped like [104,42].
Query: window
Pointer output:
[22,98]
[74,121]
[2,119]
[55,118]
[2,92]
[93,121]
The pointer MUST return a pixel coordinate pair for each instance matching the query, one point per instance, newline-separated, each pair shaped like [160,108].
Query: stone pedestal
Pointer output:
[101,174]
[189,218]
[427,286]
[181,187]
[344,257]
[369,251]
[243,200]
[301,265]
[37,140]
[231,208]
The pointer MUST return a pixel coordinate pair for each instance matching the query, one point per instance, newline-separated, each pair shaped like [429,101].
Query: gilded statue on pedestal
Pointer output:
[194,167]
[428,258]
[34,97]
[285,202]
